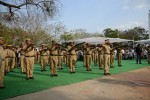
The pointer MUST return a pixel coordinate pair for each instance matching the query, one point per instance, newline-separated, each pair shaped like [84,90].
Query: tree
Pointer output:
[137,33]
[18,8]
[111,33]
[66,36]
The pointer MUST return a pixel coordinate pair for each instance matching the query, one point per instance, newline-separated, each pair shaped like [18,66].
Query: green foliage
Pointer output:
[136,33]
[15,36]
[12,35]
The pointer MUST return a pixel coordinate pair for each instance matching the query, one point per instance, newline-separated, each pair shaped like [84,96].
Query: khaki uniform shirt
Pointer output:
[106,49]
[2,55]
[30,52]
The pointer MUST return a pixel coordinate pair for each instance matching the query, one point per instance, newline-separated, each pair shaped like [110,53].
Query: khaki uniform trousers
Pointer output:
[22,62]
[101,60]
[95,58]
[88,61]
[2,69]
[106,62]
[84,60]
[65,59]
[68,57]
[60,60]
[7,68]
[29,66]
[44,62]
[72,63]
[148,59]
[112,58]
[53,64]
[10,64]
[13,63]
[119,58]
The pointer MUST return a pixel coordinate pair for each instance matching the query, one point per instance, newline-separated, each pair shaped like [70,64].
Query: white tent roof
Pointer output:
[99,40]
[144,41]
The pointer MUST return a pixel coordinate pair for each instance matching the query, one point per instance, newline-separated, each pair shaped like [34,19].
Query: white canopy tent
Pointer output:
[99,40]
[144,41]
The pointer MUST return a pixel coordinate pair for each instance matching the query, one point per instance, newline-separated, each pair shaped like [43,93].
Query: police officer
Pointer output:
[22,58]
[107,49]
[88,55]
[13,57]
[84,55]
[119,55]
[2,63]
[72,57]
[101,56]
[29,59]
[43,57]
[95,56]
[10,58]
[60,58]
[54,59]
[112,56]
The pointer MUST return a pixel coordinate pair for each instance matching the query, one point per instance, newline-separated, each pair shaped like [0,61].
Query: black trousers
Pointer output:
[138,58]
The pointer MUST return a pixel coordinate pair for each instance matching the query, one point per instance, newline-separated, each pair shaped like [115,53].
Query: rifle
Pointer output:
[44,49]
[1,60]
[73,47]
[31,45]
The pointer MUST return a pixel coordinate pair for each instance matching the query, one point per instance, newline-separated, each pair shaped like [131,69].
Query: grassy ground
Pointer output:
[16,84]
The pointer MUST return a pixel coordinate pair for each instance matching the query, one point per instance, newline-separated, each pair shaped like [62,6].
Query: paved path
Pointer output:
[134,85]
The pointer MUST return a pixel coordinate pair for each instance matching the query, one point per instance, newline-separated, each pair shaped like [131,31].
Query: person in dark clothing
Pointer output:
[138,51]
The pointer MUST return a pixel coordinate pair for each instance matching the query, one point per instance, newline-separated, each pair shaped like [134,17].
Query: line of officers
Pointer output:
[55,55]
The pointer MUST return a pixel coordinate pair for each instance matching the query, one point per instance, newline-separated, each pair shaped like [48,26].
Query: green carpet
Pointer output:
[17,85]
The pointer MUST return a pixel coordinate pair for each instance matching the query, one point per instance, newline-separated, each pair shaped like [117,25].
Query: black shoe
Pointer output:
[140,63]
[108,74]
[52,75]
[31,77]
[119,65]
[105,74]
[55,75]
[27,78]
[112,67]
[62,68]
[73,72]
[2,87]
[90,69]
[100,68]
[44,70]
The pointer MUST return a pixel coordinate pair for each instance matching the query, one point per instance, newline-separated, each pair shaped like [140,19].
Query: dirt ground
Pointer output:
[134,85]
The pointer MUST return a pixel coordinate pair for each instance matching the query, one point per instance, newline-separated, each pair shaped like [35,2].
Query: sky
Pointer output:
[97,15]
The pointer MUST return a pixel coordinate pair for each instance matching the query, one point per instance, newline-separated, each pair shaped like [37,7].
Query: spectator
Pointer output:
[138,51]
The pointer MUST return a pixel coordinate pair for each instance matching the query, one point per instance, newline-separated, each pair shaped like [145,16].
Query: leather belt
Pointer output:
[29,56]
[107,53]
[10,57]
[101,53]
[44,55]
[72,54]
[53,55]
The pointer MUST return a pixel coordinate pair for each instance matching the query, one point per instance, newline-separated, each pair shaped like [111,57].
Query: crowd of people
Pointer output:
[103,55]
